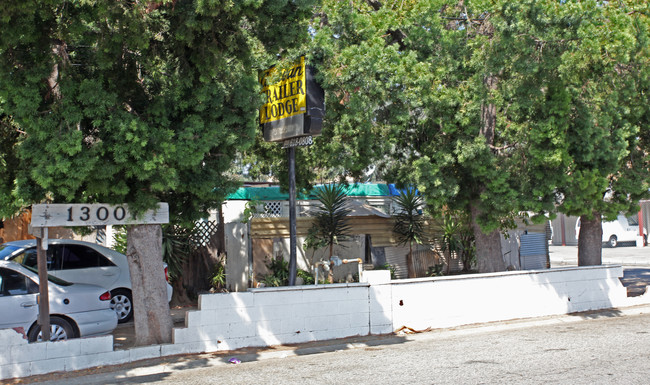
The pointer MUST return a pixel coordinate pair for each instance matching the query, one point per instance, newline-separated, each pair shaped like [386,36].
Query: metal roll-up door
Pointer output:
[533,251]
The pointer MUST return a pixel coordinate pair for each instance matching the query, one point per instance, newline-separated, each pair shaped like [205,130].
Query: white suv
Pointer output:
[83,262]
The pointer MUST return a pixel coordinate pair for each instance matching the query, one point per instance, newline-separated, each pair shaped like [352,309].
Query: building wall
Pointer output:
[237,256]
[568,224]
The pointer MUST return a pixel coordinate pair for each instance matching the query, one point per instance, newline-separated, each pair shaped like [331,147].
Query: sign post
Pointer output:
[45,216]
[43,295]
[293,114]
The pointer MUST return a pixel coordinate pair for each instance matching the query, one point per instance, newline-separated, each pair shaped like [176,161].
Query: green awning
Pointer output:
[274,194]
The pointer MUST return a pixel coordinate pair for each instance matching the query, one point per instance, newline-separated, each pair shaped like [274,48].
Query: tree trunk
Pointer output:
[488,246]
[590,247]
[153,322]
[409,262]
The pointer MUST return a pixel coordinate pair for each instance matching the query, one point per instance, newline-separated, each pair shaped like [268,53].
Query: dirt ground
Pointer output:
[124,334]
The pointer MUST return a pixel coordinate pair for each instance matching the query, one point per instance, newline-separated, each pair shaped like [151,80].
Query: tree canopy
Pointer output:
[135,102]
[494,108]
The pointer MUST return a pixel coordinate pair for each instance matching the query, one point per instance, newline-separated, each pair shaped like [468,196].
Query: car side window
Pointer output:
[82,257]
[27,257]
[54,256]
[15,283]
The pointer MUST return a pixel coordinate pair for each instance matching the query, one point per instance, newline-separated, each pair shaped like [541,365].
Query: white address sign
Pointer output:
[97,214]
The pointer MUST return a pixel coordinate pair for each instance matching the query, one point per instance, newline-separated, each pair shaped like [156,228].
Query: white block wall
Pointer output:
[273,316]
[20,359]
[461,300]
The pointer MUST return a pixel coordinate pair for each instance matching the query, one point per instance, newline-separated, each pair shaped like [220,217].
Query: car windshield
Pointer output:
[6,250]
[51,278]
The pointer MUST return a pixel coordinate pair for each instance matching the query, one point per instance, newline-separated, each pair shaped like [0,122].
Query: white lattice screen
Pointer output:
[270,209]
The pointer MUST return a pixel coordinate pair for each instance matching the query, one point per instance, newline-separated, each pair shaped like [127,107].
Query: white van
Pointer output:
[623,229]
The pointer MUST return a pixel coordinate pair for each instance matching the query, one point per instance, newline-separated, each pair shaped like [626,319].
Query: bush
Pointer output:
[279,274]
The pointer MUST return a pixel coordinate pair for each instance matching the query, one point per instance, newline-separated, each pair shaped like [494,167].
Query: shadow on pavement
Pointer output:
[599,314]
[636,280]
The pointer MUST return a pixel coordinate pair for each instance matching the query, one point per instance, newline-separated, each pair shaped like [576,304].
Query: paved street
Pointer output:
[609,347]
[623,255]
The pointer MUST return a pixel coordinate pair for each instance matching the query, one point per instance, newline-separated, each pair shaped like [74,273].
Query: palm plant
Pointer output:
[457,237]
[176,248]
[409,223]
[331,225]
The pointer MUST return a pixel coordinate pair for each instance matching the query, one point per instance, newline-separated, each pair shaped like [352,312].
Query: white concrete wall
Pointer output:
[272,316]
[237,264]
[20,359]
[460,300]
[233,211]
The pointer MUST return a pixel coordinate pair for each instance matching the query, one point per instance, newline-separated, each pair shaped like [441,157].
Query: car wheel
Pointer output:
[60,330]
[122,303]
[613,241]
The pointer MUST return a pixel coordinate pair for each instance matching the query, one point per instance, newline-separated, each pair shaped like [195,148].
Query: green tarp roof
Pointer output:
[274,194]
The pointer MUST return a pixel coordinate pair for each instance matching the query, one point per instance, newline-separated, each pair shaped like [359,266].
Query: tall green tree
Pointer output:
[604,71]
[413,74]
[489,107]
[136,102]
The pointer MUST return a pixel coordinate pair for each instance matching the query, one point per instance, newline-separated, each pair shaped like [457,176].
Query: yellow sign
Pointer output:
[286,98]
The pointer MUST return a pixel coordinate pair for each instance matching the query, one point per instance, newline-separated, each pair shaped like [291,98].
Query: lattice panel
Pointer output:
[202,233]
[271,209]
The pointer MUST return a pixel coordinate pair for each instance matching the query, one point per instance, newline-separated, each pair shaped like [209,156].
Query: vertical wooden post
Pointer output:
[43,295]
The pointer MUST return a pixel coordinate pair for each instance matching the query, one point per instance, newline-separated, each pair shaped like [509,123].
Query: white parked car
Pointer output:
[623,229]
[76,310]
[83,262]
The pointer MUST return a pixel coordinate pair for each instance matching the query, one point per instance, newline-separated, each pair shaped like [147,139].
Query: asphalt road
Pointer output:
[625,254]
[597,348]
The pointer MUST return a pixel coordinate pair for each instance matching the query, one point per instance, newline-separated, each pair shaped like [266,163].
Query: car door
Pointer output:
[83,264]
[18,299]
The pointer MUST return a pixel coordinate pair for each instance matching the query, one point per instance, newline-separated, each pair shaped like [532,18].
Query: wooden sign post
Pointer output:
[45,216]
